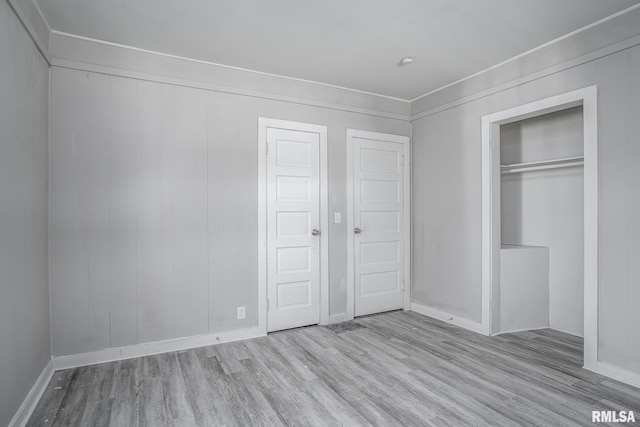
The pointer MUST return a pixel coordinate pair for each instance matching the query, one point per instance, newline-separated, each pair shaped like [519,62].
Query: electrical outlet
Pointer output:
[241,313]
[337,217]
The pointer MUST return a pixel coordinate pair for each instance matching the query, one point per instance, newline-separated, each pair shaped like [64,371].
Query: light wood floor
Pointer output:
[400,369]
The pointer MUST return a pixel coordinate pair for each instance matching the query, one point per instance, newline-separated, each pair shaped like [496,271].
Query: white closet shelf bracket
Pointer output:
[542,165]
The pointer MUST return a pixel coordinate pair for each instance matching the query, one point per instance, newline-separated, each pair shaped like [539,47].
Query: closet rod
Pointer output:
[542,165]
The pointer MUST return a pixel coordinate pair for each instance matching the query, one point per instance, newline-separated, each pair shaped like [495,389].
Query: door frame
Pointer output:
[263,124]
[406,250]
[587,97]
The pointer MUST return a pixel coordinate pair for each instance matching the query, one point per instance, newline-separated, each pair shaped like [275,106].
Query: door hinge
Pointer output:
[267,148]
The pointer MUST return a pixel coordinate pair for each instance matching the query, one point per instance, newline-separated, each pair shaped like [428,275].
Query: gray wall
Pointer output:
[447,179]
[24,296]
[546,207]
[154,207]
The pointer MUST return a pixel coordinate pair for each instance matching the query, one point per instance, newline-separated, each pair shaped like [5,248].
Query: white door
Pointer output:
[378,225]
[293,228]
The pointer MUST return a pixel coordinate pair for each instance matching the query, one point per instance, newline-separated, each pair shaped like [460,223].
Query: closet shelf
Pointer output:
[542,165]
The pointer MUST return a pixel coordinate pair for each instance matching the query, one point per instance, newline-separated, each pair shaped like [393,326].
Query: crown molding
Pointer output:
[529,52]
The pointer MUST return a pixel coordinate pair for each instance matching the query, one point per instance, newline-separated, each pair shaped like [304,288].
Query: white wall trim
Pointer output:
[158,347]
[515,331]
[446,317]
[31,401]
[40,44]
[138,75]
[618,374]
[535,49]
[350,226]
[406,150]
[592,56]
[565,331]
[262,225]
[263,124]
[587,97]
[199,61]
[111,71]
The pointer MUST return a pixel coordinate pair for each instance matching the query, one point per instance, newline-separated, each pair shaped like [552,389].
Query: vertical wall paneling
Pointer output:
[149,210]
[337,168]
[8,35]
[98,222]
[246,209]
[447,222]
[213,135]
[166,145]
[154,223]
[80,139]
[184,202]
[613,85]
[202,212]
[633,274]
[122,215]
[24,176]
[226,182]
[189,148]
[8,150]
[31,228]
[61,212]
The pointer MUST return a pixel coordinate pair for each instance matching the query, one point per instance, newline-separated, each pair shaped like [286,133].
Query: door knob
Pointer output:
[357,230]
[315,232]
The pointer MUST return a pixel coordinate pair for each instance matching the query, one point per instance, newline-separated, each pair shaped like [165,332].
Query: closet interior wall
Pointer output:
[546,207]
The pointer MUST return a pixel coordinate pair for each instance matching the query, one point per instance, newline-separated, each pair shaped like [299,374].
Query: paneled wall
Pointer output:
[24,295]
[447,193]
[154,207]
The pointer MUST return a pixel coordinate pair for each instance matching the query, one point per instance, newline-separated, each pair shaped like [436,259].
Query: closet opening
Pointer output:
[542,223]
[540,219]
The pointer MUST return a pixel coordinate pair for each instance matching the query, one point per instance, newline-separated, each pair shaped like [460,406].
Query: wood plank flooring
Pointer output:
[399,369]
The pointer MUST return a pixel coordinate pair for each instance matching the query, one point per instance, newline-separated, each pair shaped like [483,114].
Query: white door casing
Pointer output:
[293,253]
[377,222]
[491,241]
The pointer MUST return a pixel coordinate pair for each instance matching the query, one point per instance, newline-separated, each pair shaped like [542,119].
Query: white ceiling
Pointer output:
[355,44]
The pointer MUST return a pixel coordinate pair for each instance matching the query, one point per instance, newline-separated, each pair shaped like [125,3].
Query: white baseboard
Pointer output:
[31,401]
[147,349]
[514,331]
[337,318]
[446,317]
[619,374]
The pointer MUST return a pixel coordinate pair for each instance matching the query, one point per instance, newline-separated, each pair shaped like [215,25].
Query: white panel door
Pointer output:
[378,200]
[293,228]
